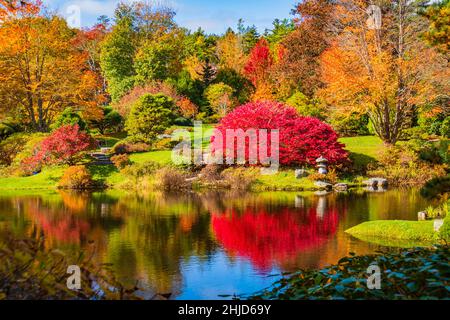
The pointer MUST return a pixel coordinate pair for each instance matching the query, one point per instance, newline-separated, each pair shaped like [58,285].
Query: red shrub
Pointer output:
[64,146]
[302,139]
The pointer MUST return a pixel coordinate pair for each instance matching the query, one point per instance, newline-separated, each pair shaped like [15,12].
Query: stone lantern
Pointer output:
[322,165]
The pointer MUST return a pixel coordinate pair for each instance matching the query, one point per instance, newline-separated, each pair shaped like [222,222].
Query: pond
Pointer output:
[202,246]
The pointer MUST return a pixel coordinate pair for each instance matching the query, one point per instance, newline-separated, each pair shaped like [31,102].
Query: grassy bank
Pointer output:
[362,149]
[396,230]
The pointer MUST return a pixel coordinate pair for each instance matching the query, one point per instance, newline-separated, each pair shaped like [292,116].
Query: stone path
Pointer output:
[100,159]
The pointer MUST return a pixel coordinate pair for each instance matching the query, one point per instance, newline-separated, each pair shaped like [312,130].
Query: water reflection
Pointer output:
[268,239]
[202,245]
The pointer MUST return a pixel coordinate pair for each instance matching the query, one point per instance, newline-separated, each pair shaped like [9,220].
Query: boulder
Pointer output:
[323,185]
[376,182]
[105,150]
[301,173]
[422,215]
[341,187]
[375,189]
[164,136]
[438,223]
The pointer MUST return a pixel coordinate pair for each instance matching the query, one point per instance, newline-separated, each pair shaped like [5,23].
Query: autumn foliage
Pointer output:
[187,108]
[258,69]
[64,146]
[76,177]
[302,139]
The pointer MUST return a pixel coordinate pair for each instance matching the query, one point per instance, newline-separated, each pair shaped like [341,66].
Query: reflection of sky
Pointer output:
[214,16]
[220,275]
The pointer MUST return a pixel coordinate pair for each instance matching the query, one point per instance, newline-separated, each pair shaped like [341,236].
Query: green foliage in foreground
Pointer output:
[28,271]
[396,230]
[421,273]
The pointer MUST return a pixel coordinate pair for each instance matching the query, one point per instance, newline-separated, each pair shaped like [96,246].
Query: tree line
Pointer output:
[327,62]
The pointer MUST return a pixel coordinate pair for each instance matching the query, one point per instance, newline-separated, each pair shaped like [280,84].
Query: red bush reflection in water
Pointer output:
[65,228]
[273,238]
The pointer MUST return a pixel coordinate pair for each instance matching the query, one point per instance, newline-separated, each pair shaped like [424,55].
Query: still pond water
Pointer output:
[200,246]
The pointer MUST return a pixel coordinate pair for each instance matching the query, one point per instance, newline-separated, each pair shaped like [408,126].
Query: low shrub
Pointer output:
[436,187]
[165,144]
[20,165]
[10,147]
[432,151]
[402,166]
[445,127]
[121,161]
[439,211]
[182,122]
[240,178]
[444,232]
[170,179]
[330,177]
[307,107]
[7,129]
[211,173]
[413,133]
[76,177]
[350,125]
[348,279]
[139,170]
[432,125]
[125,146]
[69,117]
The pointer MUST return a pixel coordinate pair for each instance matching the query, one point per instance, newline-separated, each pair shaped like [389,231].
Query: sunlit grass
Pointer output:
[395,230]
[47,179]
[283,180]
[367,145]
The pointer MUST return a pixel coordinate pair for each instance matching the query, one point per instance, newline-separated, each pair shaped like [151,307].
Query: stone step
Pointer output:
[101,163]
[101,159]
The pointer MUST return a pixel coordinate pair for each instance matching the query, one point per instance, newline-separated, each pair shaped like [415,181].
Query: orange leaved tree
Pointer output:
[41,70]
[381,66]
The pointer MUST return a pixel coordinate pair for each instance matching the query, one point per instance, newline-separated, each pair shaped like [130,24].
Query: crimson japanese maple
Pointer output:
[301,139]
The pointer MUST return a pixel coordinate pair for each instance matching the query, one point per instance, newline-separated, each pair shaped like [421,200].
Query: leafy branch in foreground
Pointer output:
[28,271]
[421,273]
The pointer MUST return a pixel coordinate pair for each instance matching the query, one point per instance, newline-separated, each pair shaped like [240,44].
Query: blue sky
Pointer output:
[213,16]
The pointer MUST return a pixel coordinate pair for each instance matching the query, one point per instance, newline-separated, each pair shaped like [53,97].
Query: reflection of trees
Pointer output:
[148,237]
[273,238]
[159,232]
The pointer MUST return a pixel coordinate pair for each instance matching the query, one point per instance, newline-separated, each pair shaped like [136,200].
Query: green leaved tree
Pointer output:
[149,116]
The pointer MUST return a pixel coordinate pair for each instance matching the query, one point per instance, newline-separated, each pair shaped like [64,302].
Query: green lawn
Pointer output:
[395,230]
[47,179]
[163,157]
[363,150]
[370,146]
[284,180]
